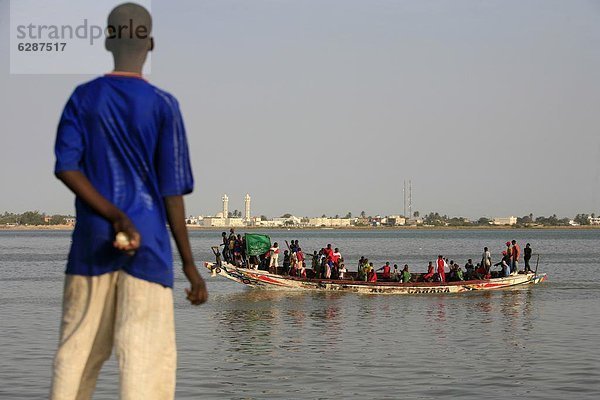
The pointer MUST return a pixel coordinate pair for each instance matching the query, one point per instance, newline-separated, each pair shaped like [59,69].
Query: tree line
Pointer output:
[33,218]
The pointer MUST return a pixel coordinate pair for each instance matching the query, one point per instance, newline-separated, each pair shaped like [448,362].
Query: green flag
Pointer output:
[257,244]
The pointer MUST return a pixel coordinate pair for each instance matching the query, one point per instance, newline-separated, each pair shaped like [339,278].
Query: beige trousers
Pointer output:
[116,310]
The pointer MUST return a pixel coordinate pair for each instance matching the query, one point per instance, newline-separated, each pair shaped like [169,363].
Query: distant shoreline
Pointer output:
[345,228]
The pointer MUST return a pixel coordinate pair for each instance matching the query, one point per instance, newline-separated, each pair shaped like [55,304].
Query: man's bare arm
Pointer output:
[83,189]
[175,207]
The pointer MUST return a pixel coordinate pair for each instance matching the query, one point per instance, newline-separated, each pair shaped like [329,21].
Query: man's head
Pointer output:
[128,32]
[514,242]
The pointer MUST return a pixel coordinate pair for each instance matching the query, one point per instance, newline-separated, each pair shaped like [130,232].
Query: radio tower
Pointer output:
[409,199]
[404,196]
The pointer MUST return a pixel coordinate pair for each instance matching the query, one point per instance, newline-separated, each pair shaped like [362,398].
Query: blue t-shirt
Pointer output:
[127,137]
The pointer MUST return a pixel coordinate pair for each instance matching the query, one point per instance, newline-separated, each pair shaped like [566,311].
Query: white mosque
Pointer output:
[223,218]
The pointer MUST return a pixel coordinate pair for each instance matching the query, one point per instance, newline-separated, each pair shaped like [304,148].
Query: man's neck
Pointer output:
[130,66]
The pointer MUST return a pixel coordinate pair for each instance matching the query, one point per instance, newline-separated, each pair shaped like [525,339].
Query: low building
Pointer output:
[288,221]
[325,222]
[594,220]
[269,223]
[209,222]
[192,220]
[504,220]
[212,222]
[396,220]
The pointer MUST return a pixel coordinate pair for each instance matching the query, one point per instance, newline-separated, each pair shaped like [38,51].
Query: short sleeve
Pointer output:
[69,139]
[172,154]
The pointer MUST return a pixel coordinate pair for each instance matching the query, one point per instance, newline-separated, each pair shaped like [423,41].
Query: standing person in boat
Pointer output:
[328,265]
[361,274]
[486,259]
[225,245]
[294,264]
[406,276]
[231,244]
[328,251]
[286,262]
[316,265]
[527,257]
[300,259]
[516,253]
[336,256]
[441,269]
[386,271]
[509,251]
[301,268]
[430,275]
[238,251]
[244,255]
[274,259]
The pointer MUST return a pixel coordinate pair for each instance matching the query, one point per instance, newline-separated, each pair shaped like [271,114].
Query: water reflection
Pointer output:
[249,321]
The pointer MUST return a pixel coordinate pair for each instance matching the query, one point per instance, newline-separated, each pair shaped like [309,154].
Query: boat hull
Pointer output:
[264,280]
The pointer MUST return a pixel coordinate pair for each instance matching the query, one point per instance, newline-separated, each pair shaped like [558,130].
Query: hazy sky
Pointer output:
[312,107]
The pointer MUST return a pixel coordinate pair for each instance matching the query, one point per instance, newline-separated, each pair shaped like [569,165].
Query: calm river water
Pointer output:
[540,342]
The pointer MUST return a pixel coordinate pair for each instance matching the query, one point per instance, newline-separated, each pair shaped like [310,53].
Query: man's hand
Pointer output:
[123,224]
[84,190]
[197,293]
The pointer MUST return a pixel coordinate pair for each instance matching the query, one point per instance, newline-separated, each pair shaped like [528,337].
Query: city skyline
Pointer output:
[487,107]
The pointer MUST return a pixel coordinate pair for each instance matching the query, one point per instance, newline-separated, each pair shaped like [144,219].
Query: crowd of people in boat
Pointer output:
[328,263]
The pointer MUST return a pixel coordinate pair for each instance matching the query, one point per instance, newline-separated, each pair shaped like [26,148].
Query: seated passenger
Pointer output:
[372,276]
[406,276]
[429,276]
[504,263]
[395,276]
[342,271]
[469,269]
[459,273]
[481,272]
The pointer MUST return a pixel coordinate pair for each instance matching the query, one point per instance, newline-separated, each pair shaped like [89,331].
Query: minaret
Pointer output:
[225,206]
[247,207]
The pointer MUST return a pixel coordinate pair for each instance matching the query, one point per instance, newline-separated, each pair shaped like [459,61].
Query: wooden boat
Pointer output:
[265,280]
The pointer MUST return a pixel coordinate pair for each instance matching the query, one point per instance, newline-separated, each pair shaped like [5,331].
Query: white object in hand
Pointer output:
[122,239]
